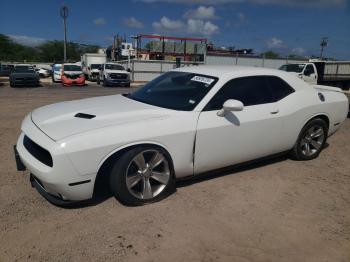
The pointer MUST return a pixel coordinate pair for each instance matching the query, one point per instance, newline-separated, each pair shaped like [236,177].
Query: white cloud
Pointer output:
[241,17]
[191,26]
[99,21]
[307,3]
[298,51]
[27,40]
[166,24]
[201,12]
[274,43]
[132,22]
[200,27]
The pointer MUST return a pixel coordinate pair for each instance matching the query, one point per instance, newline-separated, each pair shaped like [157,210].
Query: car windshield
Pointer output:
[57,67]
[114,67]
[95,66]
[175,90]
[24,69]
[298,68]
[71,68]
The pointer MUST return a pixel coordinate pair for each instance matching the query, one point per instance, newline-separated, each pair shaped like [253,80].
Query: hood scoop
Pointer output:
[86,116]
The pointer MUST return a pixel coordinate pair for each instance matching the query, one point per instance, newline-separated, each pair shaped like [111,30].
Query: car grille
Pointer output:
[25,79]
[37,151]
[72,76]
[118,76]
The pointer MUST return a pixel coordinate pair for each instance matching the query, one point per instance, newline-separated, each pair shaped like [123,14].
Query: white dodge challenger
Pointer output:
[183,123]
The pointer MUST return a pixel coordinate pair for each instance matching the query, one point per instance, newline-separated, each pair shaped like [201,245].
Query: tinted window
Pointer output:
[249,90]
[298,68]
[24,69]
[175,90]
[309,70]
[57,67]
[279,88]
[71,68]
[114,67]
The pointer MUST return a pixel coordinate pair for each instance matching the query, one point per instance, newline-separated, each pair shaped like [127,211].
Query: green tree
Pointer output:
[50,51]
[10,51]
[270,55]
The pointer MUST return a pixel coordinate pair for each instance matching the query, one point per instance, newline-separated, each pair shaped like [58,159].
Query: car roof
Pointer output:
[226,72]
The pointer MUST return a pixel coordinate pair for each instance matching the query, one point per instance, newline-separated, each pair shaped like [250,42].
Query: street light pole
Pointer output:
[324,43]
[64,15]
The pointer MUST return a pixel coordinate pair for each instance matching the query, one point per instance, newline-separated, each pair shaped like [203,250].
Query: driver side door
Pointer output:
[310,74]
[238,136]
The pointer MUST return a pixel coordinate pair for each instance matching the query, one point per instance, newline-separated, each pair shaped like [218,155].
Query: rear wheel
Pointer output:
[142,175]
[311,140]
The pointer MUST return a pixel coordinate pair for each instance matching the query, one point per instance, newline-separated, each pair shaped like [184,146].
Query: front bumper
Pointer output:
[25,82]
[62,180]
[123,82]
[70,82]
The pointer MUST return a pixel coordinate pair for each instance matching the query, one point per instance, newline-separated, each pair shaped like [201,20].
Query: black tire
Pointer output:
[104,82]
[11,84]
[121,169]
[98,80]
[303,148]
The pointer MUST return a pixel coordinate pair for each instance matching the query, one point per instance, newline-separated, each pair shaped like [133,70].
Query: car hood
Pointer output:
[60,120]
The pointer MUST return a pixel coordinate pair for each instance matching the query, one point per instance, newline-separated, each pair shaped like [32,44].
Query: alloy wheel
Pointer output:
[312,141]
[148,174]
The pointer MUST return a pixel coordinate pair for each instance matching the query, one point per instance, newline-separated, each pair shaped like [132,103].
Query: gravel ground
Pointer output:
[277,210]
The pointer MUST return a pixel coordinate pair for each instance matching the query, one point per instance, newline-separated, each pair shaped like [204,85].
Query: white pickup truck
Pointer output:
[331,73]
[113,74]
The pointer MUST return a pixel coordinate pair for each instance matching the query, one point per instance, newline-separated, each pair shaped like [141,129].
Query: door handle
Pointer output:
[274,111]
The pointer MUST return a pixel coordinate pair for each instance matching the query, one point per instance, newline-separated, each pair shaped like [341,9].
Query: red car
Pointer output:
[72,75]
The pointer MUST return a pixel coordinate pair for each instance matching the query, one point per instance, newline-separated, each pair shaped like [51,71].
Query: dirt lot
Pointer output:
[279,210]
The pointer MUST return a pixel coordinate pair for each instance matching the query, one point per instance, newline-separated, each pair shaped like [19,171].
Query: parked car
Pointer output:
[183,123]
[113,74]
[24,75]
[56,73]
[42,72]
[72,74]
[6,69]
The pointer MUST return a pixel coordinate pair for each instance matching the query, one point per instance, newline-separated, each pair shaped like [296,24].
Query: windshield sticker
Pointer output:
[202,79]
[191,101]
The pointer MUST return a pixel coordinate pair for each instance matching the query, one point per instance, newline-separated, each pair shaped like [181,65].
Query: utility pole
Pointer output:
[323,44]
[64,15]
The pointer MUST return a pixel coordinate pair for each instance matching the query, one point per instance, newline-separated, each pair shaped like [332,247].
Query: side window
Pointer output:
[279,88]
[309,70]
[249,90]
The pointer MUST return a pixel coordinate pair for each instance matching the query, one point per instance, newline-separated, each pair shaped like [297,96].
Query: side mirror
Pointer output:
[129,70]
[230,105]
[89,67]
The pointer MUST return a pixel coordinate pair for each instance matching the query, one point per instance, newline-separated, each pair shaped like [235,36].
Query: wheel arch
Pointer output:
[323,116]
[101,181]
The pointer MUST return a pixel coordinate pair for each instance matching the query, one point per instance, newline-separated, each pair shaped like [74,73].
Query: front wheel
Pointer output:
[311,140]
[142,175]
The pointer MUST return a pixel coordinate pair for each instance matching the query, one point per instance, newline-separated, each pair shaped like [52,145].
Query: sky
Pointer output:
[284,26]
